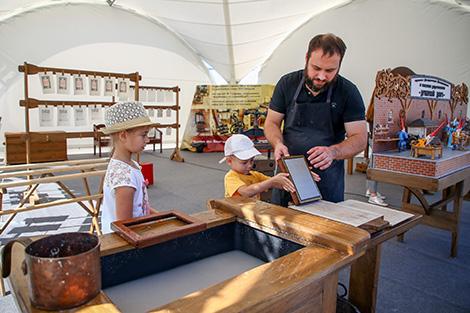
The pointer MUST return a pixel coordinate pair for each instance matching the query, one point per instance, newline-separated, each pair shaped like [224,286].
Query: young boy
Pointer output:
[241,180]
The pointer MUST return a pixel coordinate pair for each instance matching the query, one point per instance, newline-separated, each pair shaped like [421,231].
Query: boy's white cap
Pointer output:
[240,146]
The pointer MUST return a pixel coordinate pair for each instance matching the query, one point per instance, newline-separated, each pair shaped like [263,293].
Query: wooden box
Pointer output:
[45,147]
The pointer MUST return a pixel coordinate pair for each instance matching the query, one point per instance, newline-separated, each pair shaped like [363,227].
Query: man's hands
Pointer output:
[282,181]
[321,157]
[280,150]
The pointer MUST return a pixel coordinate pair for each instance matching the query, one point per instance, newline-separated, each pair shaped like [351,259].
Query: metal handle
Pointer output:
[6,254]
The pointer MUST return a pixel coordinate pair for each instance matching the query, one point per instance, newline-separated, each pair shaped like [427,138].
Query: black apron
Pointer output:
[307,125]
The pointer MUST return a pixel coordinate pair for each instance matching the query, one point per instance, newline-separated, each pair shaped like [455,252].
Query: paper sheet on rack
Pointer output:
[392,216]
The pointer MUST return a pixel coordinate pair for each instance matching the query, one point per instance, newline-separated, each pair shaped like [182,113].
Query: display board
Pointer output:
[219,111]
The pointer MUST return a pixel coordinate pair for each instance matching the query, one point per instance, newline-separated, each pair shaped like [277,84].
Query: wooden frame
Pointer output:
[296,196]
[29,103]
[48,173]
[127,229]
[176,155]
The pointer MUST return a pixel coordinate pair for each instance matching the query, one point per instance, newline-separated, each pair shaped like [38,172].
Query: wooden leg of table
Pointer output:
[329,294]
[350,166]
[445,194]
[2,288]
[405,199]
[364,279]
[457,208]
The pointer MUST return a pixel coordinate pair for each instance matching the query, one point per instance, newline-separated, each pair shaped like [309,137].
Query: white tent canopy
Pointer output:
[170,42]
[233,36]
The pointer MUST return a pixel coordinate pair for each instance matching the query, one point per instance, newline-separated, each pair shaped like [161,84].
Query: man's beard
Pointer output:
[311,85]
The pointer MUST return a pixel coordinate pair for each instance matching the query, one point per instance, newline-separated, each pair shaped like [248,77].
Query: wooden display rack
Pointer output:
[176,155]
[30,103]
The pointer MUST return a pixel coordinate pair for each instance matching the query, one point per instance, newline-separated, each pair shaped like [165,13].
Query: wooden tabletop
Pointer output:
[418,181]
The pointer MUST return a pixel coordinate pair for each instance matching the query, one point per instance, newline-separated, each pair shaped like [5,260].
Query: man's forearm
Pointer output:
[273,134]
[350,147]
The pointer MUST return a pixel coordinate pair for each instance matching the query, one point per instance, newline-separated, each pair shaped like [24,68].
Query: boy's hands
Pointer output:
[316,177]
[282,181]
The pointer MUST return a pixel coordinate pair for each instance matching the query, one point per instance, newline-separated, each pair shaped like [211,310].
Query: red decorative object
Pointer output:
[147,171]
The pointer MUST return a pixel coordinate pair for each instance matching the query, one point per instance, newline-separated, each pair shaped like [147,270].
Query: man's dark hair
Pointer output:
[329,43]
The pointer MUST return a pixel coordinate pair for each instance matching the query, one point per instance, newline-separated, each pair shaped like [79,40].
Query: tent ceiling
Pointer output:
[234,36]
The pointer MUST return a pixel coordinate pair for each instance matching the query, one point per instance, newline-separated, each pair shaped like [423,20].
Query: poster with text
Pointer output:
[218,111]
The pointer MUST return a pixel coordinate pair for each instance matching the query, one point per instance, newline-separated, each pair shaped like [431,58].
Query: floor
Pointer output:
[415,276]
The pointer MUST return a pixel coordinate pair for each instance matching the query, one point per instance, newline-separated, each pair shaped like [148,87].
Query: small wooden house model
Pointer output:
[422,127]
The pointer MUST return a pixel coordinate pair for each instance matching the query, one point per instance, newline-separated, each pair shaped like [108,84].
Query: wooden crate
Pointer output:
[45,147]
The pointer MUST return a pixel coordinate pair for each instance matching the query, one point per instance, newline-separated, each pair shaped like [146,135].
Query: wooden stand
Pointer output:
[435,215]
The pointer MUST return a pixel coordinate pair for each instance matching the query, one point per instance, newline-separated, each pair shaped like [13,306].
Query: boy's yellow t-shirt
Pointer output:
[233,181]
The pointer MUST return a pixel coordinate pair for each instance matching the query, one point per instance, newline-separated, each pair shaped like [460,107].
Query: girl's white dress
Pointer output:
[121,174]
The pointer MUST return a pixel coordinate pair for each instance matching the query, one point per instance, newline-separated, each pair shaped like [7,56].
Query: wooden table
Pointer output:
[303,279]
[453,187]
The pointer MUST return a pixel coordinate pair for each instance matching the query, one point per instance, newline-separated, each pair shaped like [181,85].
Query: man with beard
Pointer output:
[319,107]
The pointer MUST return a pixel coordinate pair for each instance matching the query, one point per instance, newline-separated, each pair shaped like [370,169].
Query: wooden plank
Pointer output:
[339,213]
[394,217]
[54,170]
[294,225]
[439,219]
[263,288]
[50,164]
[52,179]
[401,179]
[52,203]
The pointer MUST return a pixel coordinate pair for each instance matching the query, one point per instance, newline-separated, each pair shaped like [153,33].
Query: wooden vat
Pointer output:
[303,254]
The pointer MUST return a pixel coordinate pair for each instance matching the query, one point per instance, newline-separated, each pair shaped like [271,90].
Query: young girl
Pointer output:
[124,190]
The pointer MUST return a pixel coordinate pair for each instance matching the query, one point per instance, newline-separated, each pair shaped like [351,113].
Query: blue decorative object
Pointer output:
[402,140]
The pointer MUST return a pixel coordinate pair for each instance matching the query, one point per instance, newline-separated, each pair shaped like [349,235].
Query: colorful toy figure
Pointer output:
[455,143]
[403,139]
[450,132]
